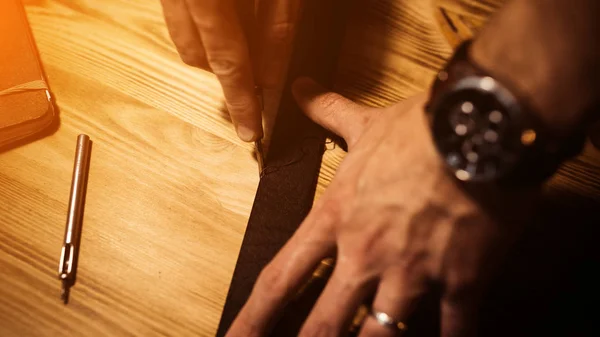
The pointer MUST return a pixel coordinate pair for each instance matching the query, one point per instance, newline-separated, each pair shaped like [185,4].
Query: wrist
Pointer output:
[487,133]
[527,48]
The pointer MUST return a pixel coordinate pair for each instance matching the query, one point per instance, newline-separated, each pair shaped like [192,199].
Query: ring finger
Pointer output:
[395,299]
[284,275]
[341,298]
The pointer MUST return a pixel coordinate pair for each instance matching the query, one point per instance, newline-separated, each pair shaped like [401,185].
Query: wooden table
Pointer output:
[170,185]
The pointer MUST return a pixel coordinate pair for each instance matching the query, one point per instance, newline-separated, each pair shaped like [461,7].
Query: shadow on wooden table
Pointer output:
[549,284]
[48,131]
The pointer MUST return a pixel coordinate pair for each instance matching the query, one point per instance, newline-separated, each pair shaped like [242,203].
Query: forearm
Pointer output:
[547,50]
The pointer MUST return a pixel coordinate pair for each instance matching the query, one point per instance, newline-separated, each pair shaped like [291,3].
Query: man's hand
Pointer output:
[395,221]
[241,48]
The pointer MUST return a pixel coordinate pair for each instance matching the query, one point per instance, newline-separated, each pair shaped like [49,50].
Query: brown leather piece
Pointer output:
[25,113]
[287,188]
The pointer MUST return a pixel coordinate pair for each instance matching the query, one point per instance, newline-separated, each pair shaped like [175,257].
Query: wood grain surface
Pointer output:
[170,185]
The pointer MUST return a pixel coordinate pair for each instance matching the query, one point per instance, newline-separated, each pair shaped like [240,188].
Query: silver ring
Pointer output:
[387,321]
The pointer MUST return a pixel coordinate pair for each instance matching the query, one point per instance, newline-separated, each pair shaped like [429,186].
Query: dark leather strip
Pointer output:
[287,188]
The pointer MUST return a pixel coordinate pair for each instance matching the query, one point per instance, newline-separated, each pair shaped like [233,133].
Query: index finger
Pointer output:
[228,55]
[284,275]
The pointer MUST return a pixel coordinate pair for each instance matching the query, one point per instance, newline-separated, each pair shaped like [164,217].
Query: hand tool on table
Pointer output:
[70,250]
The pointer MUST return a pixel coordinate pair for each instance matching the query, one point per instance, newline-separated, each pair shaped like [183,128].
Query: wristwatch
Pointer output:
[486,132]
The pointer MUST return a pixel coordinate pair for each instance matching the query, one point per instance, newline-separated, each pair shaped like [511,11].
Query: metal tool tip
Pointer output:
[64,292]
[259,156]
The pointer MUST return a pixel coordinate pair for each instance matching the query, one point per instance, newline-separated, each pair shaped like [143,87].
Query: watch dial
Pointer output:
[476,134]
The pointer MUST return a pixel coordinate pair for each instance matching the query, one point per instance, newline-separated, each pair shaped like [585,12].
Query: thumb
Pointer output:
[330,110]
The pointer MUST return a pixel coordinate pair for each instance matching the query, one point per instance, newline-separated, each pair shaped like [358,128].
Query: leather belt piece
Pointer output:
[287,187]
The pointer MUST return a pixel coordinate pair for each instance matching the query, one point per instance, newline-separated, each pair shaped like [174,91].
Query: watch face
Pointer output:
[476,128]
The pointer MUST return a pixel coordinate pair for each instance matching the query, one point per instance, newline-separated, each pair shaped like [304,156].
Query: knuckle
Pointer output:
[353,275]
[281,33]
[225,66]
[208,24]
[272,282]
[331,210]
[373,243]
[249,328]
[369,244]
[240,106]
[191,58]
[412,261]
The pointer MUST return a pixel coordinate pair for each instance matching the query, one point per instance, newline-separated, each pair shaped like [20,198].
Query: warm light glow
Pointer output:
[528,137]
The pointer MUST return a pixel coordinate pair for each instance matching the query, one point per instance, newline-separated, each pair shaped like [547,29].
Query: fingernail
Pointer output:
[245,133]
